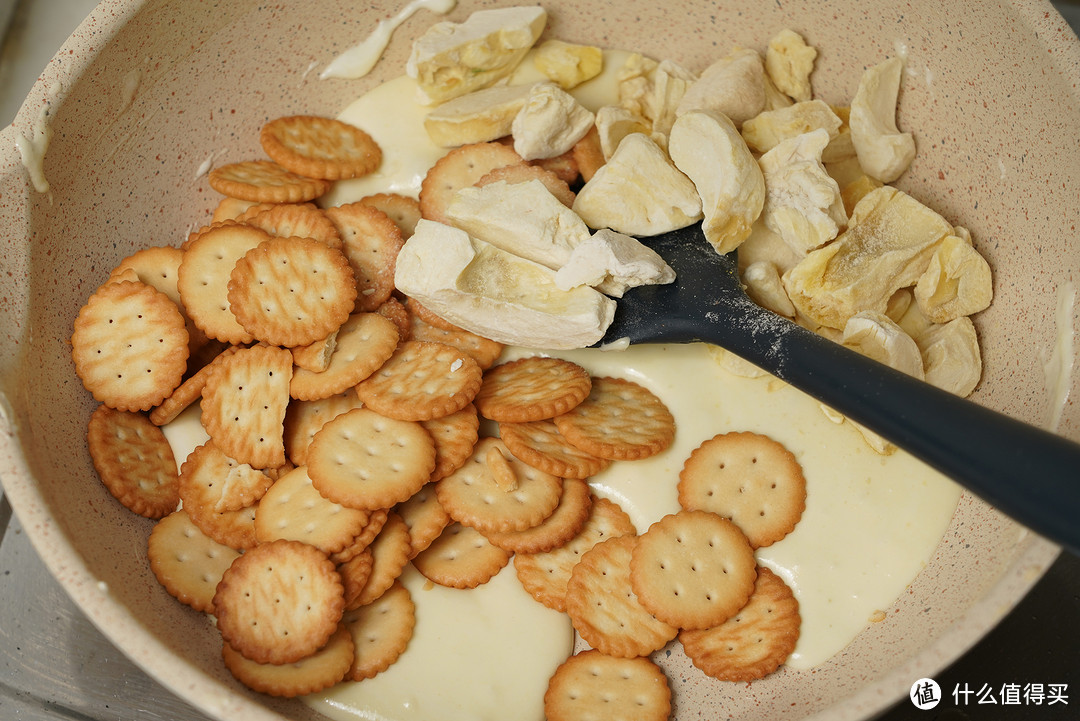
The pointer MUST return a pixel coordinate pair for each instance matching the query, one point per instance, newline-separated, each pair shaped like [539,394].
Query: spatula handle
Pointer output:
[1028,473]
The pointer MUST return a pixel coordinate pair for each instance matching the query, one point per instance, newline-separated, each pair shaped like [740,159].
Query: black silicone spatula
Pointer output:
[1024,471]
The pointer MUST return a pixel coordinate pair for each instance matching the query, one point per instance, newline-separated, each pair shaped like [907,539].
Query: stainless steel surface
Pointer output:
[54,664]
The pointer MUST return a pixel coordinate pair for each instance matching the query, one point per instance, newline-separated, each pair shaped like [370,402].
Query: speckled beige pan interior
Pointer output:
[145,93]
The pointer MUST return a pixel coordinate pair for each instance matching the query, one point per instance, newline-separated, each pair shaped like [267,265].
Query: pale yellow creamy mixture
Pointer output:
[870,525]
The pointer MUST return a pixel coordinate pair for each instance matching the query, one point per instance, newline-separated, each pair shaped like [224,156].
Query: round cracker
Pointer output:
[264,181]
[303,419]
[187,562]
[421,381]
[522,172]
[291,291]
[389,554]
[381,630]
[244,402]
[545,575]
[620,420]
[755,641]
[134,460]
[129,345]
[540,444]
[563,524]
[473,495]
[603,607]
[692,569]
[401,209]
[425,518]
[279,602]
[322,669]
[534,388]
[371,241]
[460,168]
[455,437]
[295,220]
[593,685]
[365,342]
[461,558]
[747,477]
[362,459]
[483,350]
[204,273]
[213,482]
[318,147]
[292,509]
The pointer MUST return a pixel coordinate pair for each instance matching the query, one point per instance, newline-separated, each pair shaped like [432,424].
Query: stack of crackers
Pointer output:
[343,423]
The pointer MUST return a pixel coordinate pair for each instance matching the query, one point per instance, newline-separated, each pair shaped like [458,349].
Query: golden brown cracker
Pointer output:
[318,147]
[394,310]
[362,459]
[187,392]
[564,166]
[521,173]
[374,525]
[129,345]
[460,168]
[564,523]
[692,569]
[381,631]
[264,181]
[303,419]
[425,518]
[472,495]
[532,389]
[279,602]
[355,573]
[371,241]
[460,558]
[293,509]
[235,529]
[365,341]
[540,444]
[455,437]
[603,607]
[204,274]
[244,402]
[545,575]
[593,685]
[755,641]
[134,461]
[187,562]
[296,220]
[421,381]
[291,291]
[211,480]
[401,209]
[425,314]
[389,554]
[483,350]
[322,669]
[620,420]
[747,477]
[231,209]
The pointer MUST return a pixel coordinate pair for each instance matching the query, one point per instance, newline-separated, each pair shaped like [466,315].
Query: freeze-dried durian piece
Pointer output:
[884,152]
[876,336]
[769,128]
[803,204]
[887,246]
[789,62]
[706,146]
[957,282]
[951,356]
